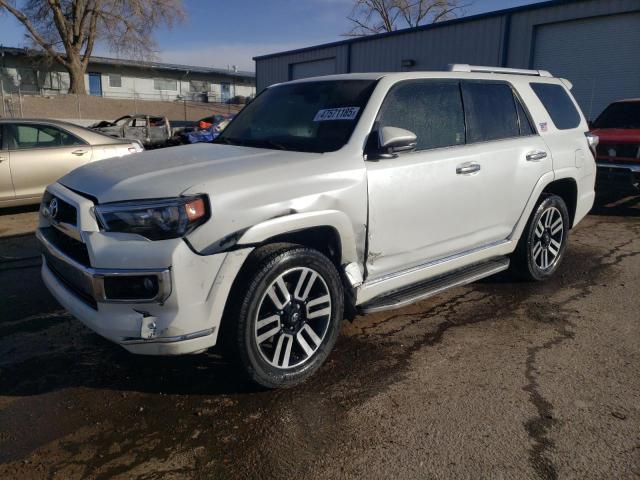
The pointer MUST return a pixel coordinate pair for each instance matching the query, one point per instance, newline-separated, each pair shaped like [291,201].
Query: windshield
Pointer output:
[305,117]
[620,115]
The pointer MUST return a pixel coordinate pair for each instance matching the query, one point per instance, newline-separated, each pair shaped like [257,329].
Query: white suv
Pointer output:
[324,198]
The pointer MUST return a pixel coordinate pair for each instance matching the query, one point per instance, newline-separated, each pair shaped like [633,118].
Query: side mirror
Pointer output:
[390,142]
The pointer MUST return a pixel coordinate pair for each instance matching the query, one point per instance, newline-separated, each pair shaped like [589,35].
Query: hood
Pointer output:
[622,135]
[171,171]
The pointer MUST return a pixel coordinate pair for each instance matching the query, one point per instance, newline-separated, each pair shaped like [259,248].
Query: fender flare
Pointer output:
[543,181]
[335,219]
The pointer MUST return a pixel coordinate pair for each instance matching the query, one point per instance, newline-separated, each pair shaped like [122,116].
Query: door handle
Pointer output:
[2,159]
[536,156]
[467,168]
[79,152]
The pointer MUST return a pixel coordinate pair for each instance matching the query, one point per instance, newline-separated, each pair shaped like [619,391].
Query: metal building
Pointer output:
[593,43]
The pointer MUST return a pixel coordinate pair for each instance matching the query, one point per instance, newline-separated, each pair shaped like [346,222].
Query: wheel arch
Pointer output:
[328,231]
[567,189]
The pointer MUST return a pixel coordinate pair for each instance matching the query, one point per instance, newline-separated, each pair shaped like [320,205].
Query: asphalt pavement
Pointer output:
[500,379]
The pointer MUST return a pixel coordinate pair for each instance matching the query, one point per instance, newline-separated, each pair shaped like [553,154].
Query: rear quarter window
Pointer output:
[558,105]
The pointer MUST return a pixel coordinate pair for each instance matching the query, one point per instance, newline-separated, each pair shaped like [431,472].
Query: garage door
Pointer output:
[316,68]
[600,56]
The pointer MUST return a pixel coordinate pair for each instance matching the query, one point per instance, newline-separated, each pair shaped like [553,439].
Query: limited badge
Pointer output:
[543,127]
[343,113]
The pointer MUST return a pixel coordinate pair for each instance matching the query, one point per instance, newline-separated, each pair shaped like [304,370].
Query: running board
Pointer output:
[434,286]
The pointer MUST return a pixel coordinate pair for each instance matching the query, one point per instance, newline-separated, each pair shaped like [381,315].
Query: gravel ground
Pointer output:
[497,380]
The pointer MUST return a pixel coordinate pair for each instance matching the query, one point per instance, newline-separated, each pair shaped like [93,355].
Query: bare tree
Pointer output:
[378,16]
[68,30]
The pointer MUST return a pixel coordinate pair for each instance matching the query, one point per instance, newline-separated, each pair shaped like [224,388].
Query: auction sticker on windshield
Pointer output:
[343,113]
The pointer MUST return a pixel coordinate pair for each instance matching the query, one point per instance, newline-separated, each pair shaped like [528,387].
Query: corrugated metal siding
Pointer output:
[475,41]
[314,68]
[591,54]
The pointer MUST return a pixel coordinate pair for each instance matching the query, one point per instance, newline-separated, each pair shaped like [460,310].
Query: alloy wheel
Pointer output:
[548,238]
[293,318]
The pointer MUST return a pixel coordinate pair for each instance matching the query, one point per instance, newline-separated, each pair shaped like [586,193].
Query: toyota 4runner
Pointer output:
[324,198]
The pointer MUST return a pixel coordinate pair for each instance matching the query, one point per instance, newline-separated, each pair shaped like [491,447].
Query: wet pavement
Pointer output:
[500,379]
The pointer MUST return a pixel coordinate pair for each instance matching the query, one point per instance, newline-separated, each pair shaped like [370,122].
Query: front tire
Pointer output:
[291,304]
[544,240]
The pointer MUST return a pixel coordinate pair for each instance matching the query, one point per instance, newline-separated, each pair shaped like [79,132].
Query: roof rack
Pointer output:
[463,67]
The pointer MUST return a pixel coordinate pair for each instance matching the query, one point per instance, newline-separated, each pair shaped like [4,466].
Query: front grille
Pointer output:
[66,213]
[610,151]
[67,245]
[73,279]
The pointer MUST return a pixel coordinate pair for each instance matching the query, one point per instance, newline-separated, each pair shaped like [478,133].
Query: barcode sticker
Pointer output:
[343,113]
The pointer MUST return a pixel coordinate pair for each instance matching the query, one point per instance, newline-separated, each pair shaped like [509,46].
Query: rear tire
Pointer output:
[543,243]
[290,305]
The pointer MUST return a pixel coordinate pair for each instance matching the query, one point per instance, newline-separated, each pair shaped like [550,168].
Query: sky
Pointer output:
[219,33]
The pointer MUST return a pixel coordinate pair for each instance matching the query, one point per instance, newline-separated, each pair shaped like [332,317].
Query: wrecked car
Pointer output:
[151,131]
[325,198]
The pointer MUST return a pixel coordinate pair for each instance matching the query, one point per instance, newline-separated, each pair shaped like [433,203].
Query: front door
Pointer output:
[466,184]
[95,84]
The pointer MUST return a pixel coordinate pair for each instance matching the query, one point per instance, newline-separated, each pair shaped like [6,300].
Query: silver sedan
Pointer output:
[35,153]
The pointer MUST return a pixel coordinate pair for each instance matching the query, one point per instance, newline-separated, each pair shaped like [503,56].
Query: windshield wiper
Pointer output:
[226,141]
[249,142]
[272,144]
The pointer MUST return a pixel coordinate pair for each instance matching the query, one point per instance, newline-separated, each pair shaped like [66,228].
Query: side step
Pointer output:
[434,286]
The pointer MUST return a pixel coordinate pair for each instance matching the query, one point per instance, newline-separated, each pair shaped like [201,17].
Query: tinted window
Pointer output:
[620,115]
[490,110]
[525,122]
[42,136]
[556,101]
[309,116]
[430,109]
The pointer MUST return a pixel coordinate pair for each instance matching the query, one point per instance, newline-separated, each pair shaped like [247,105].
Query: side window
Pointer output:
[559,106]
[431,109]
[42,136]
[491,111]
[525,122]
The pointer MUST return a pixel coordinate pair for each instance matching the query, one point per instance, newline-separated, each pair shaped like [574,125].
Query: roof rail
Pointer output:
[463,67]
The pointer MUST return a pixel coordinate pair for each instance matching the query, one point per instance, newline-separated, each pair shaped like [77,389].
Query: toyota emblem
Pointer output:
[53,208]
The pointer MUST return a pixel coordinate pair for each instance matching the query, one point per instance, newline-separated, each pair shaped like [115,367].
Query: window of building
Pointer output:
[431,109]
[27,80]
[490,111]
[49,80]
[165,84]
[559,106]
[42,136]
[115,80]
[199,86]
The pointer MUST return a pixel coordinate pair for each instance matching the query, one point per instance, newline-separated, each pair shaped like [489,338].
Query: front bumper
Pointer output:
[183,317]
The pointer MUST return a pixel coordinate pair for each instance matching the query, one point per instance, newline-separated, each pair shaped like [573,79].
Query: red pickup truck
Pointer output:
[618,152]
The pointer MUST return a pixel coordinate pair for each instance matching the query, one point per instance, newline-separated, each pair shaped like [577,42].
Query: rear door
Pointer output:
[512,156]
[6,184]
[40,154]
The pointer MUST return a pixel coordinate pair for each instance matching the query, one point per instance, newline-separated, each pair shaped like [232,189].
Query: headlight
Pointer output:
[155,219]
